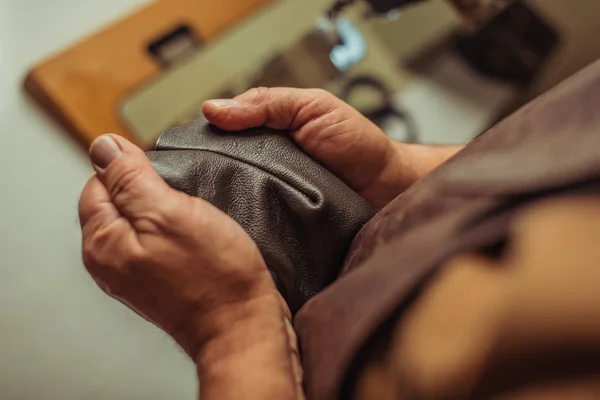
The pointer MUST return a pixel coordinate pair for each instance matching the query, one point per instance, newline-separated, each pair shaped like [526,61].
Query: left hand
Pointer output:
[187,267]
[334,134]
[329,130]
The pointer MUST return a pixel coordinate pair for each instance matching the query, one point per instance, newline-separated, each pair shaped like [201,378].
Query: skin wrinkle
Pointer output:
[312,107]
[259,95]
[157,220]
[294,123]
[261,98]
[89,211]
[127,179]
[305,133]
[334,124]
[338,147]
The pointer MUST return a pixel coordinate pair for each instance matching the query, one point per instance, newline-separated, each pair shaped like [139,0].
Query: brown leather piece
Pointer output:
[548,149]
[301,216]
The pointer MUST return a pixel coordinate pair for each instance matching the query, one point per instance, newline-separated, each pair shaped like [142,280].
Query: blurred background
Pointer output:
[431,71]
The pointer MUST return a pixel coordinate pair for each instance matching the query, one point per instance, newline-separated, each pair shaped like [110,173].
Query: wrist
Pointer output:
[405,164]
[397,174]
[231,322]
[423,158]
[248,355]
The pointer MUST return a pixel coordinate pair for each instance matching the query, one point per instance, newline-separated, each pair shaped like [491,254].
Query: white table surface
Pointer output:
[60,336]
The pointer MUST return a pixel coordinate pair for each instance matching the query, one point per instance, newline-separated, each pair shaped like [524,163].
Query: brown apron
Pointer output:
[549,148]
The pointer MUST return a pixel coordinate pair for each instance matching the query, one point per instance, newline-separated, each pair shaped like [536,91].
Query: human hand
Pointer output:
[329,130]
[188,268]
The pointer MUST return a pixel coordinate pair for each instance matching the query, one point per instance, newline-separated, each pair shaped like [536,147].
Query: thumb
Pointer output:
[277,108]
[132,183]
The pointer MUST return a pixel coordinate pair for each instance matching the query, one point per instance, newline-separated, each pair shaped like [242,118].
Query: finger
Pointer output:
[95,208]
[96,214]
[331,131]
[277,108]
[130,181]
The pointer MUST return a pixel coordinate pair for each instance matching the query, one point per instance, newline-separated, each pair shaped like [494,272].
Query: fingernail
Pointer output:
[104,150]
[223,103]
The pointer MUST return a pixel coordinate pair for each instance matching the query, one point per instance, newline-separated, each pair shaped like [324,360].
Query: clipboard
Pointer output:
[84,86]
[227,66]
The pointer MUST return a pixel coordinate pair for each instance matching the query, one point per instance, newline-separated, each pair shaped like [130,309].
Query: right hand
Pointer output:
[329,130]
[191,270]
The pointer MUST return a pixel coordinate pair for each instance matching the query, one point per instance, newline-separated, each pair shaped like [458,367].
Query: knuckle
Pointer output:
[137,255]
[94,262]
[325,100]
[259,95]
[126,179]
[166,216]
[86,204]
[321,93]
[105,253]
[94,248]
[89,256]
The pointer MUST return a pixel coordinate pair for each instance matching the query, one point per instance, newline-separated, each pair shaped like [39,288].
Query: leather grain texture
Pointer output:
[301,216]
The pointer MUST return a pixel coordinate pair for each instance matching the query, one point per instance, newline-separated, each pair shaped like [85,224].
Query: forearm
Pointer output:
[252,357]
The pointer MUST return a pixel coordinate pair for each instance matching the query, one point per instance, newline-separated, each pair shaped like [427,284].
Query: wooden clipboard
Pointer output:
[83,86]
